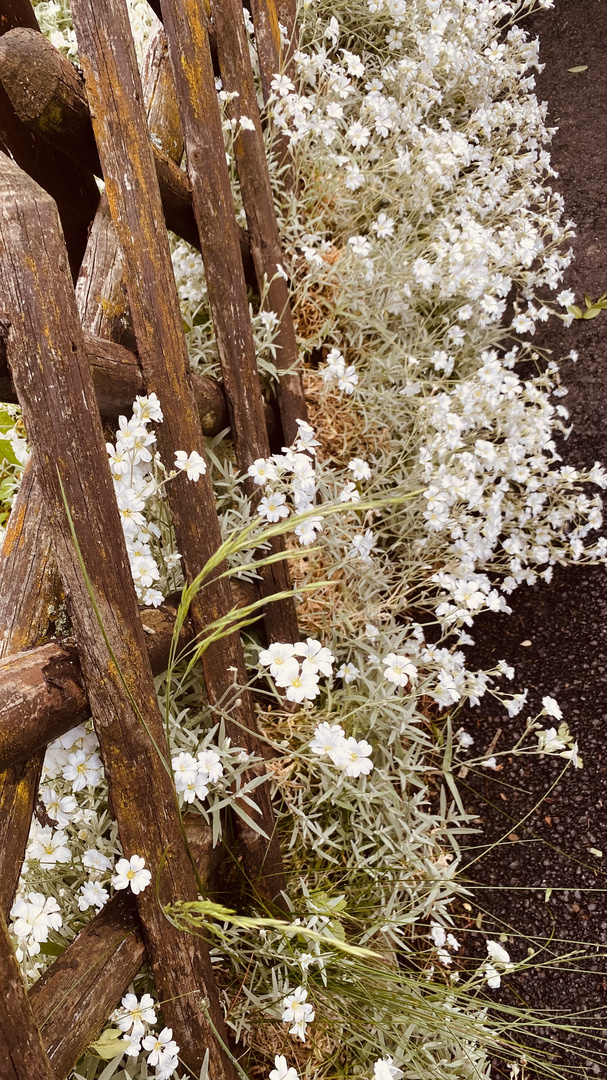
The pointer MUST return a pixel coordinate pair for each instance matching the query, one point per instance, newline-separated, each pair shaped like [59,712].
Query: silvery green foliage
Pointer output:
[423,202]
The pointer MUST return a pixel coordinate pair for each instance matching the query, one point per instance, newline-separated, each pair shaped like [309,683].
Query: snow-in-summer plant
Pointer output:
[425,488]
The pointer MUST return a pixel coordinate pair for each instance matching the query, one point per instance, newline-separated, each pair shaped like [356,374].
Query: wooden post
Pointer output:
[30,593]
[73,189]
[115,95]
[118,379]
[23,1055]
[256,190]
[51,373]
[48,100]
[190,53]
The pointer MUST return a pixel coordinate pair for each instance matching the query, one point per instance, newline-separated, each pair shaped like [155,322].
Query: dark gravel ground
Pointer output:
[564,623]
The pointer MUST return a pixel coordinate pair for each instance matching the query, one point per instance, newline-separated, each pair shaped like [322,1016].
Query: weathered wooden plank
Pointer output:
[118,379]
[47,98]
[42,692]
[256,190]
[21,1049]
[73,188]
[87,982]
[159,96]
[50,370]
[115,95]
[30,599]
[190,53]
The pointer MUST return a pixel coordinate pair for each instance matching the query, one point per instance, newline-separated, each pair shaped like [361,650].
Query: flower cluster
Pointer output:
[193,775]
[299,680]
[134,1018]
[298,1012]
[349,755]
[139,481]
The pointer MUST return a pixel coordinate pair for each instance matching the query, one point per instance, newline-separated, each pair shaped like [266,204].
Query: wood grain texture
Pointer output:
[256,191]
[42,692]
[51,373]
[22,1052]
[115,95]
[190,52]
[118,379]
[30,600]
[87,982]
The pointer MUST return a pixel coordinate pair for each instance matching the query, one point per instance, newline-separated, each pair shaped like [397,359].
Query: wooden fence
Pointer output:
[89,318]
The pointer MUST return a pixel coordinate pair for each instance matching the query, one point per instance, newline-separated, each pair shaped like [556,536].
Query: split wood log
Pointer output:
[73,189]
[159,96]
[86,983]
[115,94]
[256,191]
[101,292]
[23,1054]
[30,600]
[118,379]
[88,980]
[47,96]
[189,49]
[42,692]
[50,370]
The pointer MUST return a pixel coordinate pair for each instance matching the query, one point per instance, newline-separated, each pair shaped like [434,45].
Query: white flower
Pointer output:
[497,953]
[280,658]
[549,742]
[247,124]
[352,757]
[83,771]
[262,471]
[272,507]
[147,408]
[34,916]
[399,669]
[465,740]
[282,1070]
[49,847]
[60,808]
[306,532]
[306,437]
[566,298]
[96,860]
[360,469]
[438,935]
[184,768]
[383,226]
[348,672]
[552,708]
[193,465]
[134,1015]
[362,546]
[489,763]
[161,1048]
[316,657]
[358,134]
[298,1011]
[131,873]
[327,737]
[303,685]
[210,763]
[384,1069]
[92,894]
[492,976]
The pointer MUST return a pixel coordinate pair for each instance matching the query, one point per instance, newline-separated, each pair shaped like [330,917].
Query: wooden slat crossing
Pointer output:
[70,358]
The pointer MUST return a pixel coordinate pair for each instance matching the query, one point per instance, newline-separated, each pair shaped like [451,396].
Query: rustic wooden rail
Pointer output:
[70,358]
